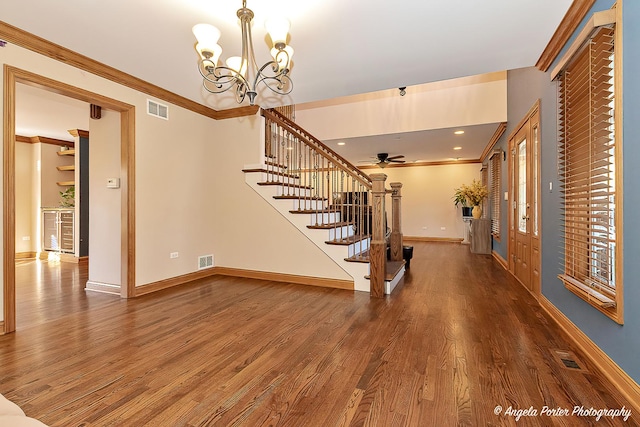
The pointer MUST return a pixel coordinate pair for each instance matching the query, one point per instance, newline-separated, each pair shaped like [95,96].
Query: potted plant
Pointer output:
[472,194]
[460,199]
[68,197]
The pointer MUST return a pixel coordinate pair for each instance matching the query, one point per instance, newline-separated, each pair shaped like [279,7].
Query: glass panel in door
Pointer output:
[522,186]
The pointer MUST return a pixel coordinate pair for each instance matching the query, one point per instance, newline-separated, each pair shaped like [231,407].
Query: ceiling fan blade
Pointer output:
[399,156]
[395,161]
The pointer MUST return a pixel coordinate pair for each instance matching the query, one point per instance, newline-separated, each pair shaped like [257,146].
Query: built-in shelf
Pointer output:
[67,168]
[66,153]
[66,183]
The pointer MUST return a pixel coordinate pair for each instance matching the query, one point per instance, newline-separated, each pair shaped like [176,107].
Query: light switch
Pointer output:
[113,183]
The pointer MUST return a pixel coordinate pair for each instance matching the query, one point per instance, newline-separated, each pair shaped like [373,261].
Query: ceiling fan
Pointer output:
[383,159]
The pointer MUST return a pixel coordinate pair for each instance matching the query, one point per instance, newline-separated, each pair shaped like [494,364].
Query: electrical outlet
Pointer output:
[173,255]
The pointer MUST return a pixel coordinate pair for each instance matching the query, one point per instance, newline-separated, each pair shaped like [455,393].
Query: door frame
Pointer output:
[532,117]
[13,76]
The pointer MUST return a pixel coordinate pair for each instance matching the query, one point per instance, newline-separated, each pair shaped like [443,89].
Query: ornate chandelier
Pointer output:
[241,73]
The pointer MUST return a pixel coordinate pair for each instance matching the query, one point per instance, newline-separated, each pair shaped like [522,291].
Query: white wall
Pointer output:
[191,196]
[458,102]
[105,203]
[192,199]
[427,198]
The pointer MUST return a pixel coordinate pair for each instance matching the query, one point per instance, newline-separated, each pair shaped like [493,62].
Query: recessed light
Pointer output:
[342,143]
[459,132]
[457,148]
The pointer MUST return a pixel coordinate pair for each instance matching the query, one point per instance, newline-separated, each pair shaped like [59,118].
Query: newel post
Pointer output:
[395,241]
[378,247]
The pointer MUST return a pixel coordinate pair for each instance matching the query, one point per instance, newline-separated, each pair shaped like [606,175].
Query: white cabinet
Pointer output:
[58,229]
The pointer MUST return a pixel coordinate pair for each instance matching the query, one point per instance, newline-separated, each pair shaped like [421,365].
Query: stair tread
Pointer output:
[312,211]
[298,197]
[270,163]
[359,257]
[391,270]
[328,225]
[286,185]
[262,170]
[347,241]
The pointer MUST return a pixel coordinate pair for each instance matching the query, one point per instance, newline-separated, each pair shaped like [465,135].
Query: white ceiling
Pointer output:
[342,47]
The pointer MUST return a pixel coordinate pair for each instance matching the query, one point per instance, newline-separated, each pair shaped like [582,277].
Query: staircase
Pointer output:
[338,207]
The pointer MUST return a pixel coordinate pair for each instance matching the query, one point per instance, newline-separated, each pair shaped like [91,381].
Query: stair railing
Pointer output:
[338,195]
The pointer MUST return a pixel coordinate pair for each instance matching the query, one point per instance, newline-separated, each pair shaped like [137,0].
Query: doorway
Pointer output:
[524,191]
[13,76]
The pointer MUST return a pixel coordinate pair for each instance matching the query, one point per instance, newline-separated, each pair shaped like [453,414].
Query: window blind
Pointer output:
[494,165]
[587,165]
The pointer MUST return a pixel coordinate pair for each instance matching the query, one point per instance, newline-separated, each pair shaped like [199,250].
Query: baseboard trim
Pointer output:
[610,369]
[174,281]
[74,259]
[285,278]
[2,327]
[26,255]
[105,288]
[501,261]
[432,239]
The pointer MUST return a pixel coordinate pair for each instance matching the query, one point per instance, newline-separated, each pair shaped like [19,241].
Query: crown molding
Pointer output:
[577,11]
[44,47]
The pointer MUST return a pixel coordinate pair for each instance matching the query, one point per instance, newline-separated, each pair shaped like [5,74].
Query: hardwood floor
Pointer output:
[456,339]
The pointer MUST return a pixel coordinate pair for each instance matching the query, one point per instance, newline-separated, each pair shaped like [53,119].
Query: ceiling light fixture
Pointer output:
[457,148]
[342,143]
[459,132]
[242,73]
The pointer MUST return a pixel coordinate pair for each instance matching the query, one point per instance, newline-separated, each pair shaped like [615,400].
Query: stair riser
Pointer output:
[324,218]
[292,191]
[305,204]
[272,177]
[340,233]
[356,248]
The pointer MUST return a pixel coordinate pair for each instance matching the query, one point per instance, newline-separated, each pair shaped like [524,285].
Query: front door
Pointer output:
[524,236]
[522,206]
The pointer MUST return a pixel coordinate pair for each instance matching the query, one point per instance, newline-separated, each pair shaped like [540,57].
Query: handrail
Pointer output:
[309,139]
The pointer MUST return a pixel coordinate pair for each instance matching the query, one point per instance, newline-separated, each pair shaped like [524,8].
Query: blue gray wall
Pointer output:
[525,86]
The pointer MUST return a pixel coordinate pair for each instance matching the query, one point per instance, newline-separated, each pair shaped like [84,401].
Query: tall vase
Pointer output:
[476,212]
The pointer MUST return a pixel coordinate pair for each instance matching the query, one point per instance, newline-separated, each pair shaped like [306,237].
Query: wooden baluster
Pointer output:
[395,241]
[378,249]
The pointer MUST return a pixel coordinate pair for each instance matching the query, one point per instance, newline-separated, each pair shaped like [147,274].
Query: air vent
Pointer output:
[568,360]
[205,261]
[157,110]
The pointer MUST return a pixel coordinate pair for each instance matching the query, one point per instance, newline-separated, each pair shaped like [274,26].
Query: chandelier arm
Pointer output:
[284,85]
[223,82]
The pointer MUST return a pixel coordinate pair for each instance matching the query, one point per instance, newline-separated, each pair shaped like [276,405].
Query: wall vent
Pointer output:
[157,110]
[205,261]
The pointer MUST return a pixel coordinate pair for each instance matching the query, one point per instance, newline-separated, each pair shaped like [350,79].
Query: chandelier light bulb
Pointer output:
[278,29]
[210,53]
[236,64]
[207,35]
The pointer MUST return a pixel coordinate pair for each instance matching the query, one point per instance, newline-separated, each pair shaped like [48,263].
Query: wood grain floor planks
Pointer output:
[456,339]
